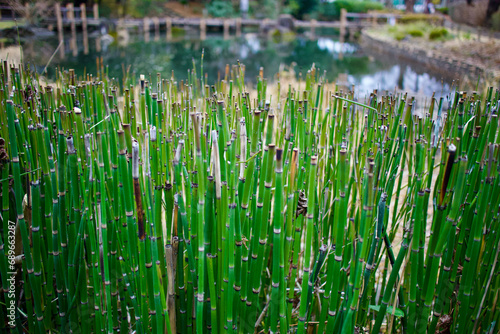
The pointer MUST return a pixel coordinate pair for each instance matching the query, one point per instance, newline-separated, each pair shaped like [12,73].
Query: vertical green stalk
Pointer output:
[278,260]
[33,280]
[306,284]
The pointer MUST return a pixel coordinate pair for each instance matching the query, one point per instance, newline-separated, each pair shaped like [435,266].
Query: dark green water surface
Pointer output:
[366,70]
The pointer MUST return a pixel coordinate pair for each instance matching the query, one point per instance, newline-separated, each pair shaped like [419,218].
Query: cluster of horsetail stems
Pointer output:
[178,207]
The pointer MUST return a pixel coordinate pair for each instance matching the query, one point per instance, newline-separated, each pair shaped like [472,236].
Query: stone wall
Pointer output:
[472,14]
[449,68]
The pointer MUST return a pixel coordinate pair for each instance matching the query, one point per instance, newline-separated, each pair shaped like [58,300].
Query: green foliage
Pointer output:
[291,7]
[393,29]
[133,8]
[218,8]
[114,34]
[413,18]
[415,32]
[191,220]
[141,8]
[356,35]
[8,24]
[105,10]
[301,8]
[418,29]
[279,36]
[495,20]
[276,35]
[331,10]
[178,31]
[399,35]
[269,7]
[443,10]
[307,7]
[438,33]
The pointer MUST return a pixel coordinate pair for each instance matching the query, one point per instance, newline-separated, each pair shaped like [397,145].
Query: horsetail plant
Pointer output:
[179,207]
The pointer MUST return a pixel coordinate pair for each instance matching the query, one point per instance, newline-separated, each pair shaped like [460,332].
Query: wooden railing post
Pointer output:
[343,27]
[238,26]
[146,29]
[95,9]
[27,11]
[226,28]
[71,17]
[313,28]
[343,20]
[169,28]
[83,14]
[60,30]
[203,29]
[156,23]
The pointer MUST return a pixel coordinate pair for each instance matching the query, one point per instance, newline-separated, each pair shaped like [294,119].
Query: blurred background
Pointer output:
[424,47]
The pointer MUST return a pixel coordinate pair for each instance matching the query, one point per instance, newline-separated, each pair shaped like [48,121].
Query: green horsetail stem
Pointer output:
[277,289]
[34,280]
[306,283]
[262,226]
[200,299]
[179,207]
[340,215]
[433,264]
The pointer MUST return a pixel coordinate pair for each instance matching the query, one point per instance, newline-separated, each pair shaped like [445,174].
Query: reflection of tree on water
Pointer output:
[401,75]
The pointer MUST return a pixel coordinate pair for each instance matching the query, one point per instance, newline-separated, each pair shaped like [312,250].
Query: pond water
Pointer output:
[345,62]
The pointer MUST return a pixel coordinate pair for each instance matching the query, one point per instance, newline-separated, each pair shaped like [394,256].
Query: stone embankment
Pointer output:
[466,60]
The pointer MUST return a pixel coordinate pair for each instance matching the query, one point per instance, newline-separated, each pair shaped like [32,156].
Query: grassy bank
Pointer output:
[197,208]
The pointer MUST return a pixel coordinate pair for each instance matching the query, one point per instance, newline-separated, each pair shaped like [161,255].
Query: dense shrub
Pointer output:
[438,33]
[442,10]
[306,8]
[418,29]
[291,7]
[495,20]
[331,10]
[411,18]
[220,8]
[399,35]
[416,32]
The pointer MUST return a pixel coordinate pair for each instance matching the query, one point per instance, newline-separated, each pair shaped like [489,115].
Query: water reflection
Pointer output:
[400,76]
[118,51]
[335,47]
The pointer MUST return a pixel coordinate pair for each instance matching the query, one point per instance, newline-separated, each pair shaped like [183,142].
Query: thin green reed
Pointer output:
[186,209]
[306,283]
[277,288]
[34,280]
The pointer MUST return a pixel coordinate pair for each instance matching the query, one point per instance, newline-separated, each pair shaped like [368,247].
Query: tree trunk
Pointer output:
[409,5]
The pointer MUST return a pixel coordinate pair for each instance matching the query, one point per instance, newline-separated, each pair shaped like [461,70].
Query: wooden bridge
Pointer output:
[72,17]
